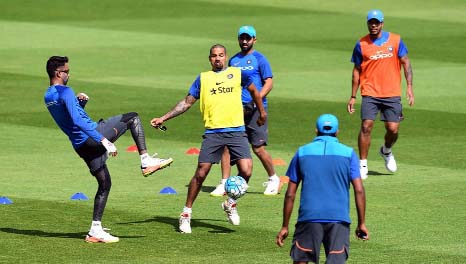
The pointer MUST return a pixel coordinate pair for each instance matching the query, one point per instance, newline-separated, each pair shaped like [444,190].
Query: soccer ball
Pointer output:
[236,186]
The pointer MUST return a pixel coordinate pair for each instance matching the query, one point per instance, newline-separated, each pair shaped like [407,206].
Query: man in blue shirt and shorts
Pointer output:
[325,168]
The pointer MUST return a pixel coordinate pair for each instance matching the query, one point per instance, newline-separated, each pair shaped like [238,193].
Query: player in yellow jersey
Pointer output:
[219,92]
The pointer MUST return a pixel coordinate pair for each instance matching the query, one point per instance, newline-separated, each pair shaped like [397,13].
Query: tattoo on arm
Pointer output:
[181,107]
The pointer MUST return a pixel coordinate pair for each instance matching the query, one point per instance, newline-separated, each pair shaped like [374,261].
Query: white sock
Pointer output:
[363,162]
[144,156]
[187,210]
[223,181]
[274,177]
[231,201]
[386,150]
[96,226]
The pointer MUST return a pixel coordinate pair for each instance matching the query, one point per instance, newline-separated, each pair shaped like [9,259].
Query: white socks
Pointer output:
[96,227]
[386,150]
[187,210]
[363,163]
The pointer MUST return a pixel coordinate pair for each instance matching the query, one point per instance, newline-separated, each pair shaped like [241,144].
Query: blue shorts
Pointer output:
[257,135]
[390,108]
[94,153]
[214,144]
[308,238]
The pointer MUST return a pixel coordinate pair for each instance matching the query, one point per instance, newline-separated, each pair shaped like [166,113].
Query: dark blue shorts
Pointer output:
[308,238]
[94,153]
[390,108]
[257,135]
[214,144]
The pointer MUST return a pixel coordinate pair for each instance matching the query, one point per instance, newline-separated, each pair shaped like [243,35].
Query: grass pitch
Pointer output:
[142,56]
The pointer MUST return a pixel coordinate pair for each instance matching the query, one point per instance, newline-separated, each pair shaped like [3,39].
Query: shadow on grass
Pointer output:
[174,222]
[376,173]
[40,233]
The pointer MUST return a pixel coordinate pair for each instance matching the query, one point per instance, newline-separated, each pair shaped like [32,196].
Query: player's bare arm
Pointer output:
[408,71]
[354,89]
[360,199]
[287,210]
[267,87]
[181,107]
[258,101]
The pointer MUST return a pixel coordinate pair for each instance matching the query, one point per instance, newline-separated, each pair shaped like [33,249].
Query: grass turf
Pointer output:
[143,56]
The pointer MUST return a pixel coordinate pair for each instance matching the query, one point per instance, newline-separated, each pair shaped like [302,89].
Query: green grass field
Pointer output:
[143,56]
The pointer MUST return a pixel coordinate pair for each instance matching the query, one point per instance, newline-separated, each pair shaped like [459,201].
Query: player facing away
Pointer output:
[325,168]
[255,65]
[92,141]
[219,93]
[377,59]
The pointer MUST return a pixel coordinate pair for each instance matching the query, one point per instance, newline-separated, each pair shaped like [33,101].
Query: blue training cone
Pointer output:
[5,200]
[167,190]
[79,196]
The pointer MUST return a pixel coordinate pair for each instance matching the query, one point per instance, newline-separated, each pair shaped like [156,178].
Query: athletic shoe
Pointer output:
[390,163]
[185,223]
[219,190]
[150,165]
[232,212]
[101,237]
[272,186]
[363,170]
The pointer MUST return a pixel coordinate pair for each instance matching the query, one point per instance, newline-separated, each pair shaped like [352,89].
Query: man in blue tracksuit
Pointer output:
[326,168]
[93,141]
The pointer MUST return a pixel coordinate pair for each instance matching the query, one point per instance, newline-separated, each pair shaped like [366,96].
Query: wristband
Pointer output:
[353,97]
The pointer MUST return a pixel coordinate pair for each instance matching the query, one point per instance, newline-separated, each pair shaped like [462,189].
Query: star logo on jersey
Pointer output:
[213,91]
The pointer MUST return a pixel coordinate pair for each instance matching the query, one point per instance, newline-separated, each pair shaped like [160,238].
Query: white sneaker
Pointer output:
[363,170]
[150,165]
[185,223]
[272,186]
[390,163]
[232,213]
[219,190]
[100,237]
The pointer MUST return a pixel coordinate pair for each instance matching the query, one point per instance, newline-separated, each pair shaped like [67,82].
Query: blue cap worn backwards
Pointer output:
[247,30]
[375,14]
[327,124]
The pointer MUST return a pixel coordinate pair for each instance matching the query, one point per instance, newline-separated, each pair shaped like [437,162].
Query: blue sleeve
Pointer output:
[246,80]
[354,166]
[356,58]
[79,116]
[402,49]
[195,89]
[293,169]
[264,68]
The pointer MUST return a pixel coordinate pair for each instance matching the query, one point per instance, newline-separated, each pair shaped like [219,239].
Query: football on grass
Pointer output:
[236,186]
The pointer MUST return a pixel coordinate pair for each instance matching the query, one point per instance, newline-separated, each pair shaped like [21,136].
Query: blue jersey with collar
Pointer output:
[70,116]
[325,169]
[195,91]
[357,54]
[257,67]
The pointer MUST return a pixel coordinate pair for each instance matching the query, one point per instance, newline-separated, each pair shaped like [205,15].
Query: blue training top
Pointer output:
[326,168]
[257,67]
[70,116]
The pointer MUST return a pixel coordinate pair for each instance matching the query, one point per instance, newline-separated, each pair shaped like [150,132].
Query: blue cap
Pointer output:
[327,124]
[377,14]
[247,30]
